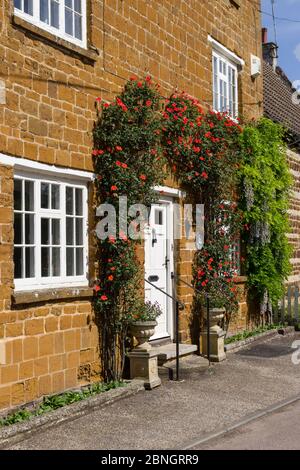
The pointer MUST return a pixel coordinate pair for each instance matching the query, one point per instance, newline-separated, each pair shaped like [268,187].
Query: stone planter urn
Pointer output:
[216,336]
[143,358]
[142,331]
[215,317]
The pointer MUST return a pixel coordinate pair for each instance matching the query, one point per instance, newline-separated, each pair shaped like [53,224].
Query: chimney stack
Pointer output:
[270,50]
[264,34]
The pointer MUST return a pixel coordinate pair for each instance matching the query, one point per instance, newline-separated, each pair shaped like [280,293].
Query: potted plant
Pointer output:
[144,322]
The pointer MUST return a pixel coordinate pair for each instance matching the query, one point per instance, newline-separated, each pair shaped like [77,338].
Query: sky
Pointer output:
[288,34]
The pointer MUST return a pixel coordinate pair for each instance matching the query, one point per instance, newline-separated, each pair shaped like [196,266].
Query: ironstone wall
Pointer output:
[49,343]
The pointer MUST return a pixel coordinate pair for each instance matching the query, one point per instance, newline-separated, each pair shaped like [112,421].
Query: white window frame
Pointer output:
[39,282]
[232,60]
[226,80]
[35,20]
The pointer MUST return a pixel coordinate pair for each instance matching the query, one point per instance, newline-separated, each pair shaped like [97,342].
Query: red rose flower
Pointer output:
[123,236]
[139,84]
[110,277]
[104,297]
[114,188]
[118,163]
[119,148]
[143,177]
[148,103]
[124,165]
[204,175]
[96,288]
[98,99]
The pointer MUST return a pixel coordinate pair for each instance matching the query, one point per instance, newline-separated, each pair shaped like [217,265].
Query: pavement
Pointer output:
[179,415]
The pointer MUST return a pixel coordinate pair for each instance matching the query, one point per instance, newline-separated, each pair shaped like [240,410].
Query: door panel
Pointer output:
[157,248]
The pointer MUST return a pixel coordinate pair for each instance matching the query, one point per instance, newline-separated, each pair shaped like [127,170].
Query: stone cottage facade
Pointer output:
[56,58]
[282,105]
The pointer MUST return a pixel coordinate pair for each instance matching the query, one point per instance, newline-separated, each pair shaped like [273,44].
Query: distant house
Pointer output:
[282,105]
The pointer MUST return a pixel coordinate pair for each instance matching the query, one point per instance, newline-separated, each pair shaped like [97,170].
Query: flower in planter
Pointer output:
[146,311]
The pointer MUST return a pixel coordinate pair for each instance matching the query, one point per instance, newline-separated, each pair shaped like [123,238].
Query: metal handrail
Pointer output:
[179,305]
[178,278]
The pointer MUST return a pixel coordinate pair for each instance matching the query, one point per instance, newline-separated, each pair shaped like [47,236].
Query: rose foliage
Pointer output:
[204,153]
[127,163]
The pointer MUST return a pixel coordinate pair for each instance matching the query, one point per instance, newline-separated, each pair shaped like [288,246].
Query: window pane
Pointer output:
[55,232]
[29,195]
[68,21]
[78,201]
[79,234]
[29,261]
[70,261]
[44,11]
[159,217]
[45,260]
[79,261]
[77,6]
[29,229]
[18,195]
[44,195]
[69,3]
[18,260]
[69,201]
[28,7]
[70,231]
[78,26]
[55,196]
[54,14]
[45,231]
[17,4]
[18,229]
[55,261]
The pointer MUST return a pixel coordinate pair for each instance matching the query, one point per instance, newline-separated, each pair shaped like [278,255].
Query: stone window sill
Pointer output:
[89,55]
[48,295]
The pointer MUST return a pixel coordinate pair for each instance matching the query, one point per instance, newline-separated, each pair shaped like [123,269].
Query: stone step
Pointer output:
[187,366]
[167,352]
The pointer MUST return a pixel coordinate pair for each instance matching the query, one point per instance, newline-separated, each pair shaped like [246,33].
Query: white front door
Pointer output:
[159,264]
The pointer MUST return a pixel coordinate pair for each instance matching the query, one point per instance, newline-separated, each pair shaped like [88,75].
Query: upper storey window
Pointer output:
[63,18]
[225,89]
[226,67]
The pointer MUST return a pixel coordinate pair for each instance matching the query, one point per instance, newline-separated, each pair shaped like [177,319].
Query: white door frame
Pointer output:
[168,201]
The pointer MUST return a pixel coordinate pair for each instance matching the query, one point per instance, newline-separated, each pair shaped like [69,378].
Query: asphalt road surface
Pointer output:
[278,431]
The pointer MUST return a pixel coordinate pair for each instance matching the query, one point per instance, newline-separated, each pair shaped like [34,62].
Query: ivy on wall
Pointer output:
[265,187]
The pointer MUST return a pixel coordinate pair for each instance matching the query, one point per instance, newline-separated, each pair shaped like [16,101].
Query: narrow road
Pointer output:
[277,431]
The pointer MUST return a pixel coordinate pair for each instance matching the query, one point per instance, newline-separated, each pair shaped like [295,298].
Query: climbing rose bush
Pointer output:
[203,151]
[127,162]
